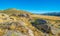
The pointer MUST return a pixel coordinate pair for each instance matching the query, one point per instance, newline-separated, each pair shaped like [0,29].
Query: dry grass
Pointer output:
[51,19]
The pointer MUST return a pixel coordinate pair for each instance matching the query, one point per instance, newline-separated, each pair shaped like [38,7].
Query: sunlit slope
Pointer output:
[16,24]
[46,17]
[13,11]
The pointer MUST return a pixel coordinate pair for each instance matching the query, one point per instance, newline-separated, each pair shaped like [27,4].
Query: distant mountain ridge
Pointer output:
[52,14]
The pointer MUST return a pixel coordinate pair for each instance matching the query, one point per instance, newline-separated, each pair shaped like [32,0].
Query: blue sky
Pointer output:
[34,6]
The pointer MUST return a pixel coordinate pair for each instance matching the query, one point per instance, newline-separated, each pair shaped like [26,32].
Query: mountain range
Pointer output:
[52,14]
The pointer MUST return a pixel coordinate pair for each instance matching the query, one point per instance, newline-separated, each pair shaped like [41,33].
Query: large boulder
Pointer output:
[40,21]
[41,24]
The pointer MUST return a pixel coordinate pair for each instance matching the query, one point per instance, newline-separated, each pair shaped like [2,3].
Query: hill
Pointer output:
[15,22]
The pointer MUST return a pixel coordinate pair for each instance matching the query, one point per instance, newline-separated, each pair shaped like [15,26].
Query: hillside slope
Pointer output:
[21,23]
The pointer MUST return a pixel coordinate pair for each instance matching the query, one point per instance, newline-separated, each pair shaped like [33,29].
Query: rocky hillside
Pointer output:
[21,23]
